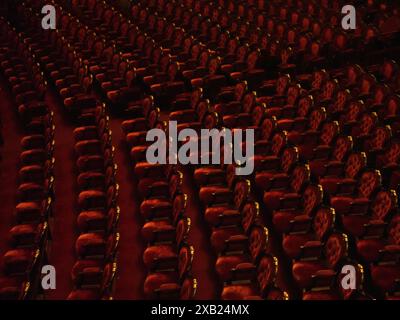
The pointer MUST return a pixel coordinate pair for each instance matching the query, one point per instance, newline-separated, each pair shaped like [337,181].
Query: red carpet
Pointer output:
[12,134]
[131,272]
[204,259]
[62,255]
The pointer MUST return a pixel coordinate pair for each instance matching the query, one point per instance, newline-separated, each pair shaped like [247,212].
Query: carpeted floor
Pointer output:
[62,253]
[9,164]
[131,270]
[199,237]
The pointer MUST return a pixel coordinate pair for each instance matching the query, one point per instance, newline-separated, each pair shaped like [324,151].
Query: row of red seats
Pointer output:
[95,269]
[116,14]
[191,71]
[382,210]
[168,256]
[307,46]
[161,282]
[218,184]
[136,64]
[66,62]
[112,69]
[245,265]
[82,273]
[269,176]
[30,236]
[96,247]
[370,124]
[316,118]
[171,87]
[316,113]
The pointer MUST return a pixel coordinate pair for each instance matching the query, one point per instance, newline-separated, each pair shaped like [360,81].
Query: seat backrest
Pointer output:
[329,132]
[393,106]
[300,177]
[319,78]
[242,190]
[188,289]
[343,146]
[258,114]
[266,272]
[394,230]
[367,124]
[258,241]
[185,259]
[278,142]
[182,230]
[250,215]
[178,207]
[336,249]
[324,222]
[380,137]
[282,84]
[355,163]
[196,97]
[312,199]
[343,96]
[369,182]
[293,94]
[316,119]
[289,158]
[389,70]
[384,203]
[175,183]
[354,111]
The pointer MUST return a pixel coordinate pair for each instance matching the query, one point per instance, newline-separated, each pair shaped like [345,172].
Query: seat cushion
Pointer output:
[281,219]
[24,234]
[238,292]
[292,243]
[272,199]
[156,280]
[220,235]
[385,276]
[205,176]
[17,261]
[10,288]
[330,184]
[212,214]
[92,198]
[155,208]
[28,211]
[304,270]
[209,195]
[90,244]
[368,249]
[225,264]
[157,252]
[266,180]
[155,226]
[356,205]
[87,266]
[354,224]
[94,220]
